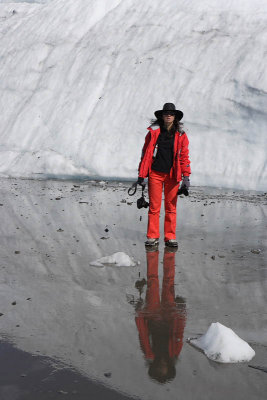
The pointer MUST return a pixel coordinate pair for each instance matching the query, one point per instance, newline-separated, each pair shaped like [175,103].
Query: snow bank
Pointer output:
[221,344]
[120,259]
[81,79]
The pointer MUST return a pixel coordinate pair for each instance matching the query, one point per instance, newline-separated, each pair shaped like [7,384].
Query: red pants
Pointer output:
[156,181]
[159,313]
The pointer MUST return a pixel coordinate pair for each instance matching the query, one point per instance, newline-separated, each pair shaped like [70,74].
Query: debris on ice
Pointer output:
[120,259]
[221,344]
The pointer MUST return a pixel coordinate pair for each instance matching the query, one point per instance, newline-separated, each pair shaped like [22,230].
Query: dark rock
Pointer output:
[106,230]
[17,252]
[107,374]
[213,257]
[255,251]
[14,303]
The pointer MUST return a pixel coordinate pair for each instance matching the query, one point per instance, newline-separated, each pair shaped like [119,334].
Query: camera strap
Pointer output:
[132,189]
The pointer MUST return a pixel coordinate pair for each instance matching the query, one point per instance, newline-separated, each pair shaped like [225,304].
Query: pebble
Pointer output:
[255,251]
[213,257]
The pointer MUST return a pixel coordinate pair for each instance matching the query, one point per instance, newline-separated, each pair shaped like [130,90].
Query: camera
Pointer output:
[183,190]
[142,203]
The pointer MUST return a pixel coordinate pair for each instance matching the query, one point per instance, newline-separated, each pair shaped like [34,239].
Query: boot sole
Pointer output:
[171,244]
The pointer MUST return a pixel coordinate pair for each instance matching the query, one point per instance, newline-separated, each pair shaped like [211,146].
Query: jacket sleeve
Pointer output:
[147,140]
[184,156]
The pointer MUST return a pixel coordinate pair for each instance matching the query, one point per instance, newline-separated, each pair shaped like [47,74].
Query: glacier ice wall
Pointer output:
[81,79]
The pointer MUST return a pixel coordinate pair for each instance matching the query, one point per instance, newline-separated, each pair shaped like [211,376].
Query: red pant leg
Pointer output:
[152,292]
[170,194]
[155,186]
[167,294]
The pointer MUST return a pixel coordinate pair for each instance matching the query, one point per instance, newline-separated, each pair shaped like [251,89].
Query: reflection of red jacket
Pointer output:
[164,309]
[181,162]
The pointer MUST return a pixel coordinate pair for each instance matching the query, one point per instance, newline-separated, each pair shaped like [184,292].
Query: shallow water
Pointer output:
[126,327]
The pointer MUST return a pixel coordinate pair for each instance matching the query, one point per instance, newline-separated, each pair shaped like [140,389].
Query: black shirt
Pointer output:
[164,158]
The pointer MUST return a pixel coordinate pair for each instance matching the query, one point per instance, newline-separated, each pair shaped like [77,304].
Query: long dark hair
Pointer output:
[177,125]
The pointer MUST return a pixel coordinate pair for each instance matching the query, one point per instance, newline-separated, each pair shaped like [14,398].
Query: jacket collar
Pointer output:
[156,128]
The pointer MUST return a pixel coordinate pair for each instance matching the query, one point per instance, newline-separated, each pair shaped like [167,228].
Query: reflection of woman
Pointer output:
[161,322]
[165,160]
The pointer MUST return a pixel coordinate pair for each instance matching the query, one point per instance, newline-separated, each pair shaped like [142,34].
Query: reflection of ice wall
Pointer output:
[80,81]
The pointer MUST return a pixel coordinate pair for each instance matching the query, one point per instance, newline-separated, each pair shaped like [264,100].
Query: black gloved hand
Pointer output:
[185,186]
[140,181]
[186,182]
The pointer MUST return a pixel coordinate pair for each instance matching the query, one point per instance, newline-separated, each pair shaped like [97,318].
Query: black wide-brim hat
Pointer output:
[169,107]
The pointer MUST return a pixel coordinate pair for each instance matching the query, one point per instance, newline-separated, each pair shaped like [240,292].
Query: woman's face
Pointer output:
[168,117]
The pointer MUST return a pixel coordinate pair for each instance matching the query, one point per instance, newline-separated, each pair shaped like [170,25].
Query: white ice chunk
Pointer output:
[120,259]
[221,344]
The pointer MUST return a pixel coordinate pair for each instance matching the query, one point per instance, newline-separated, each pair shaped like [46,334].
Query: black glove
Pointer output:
[185,186]
[186,182]
[140,181]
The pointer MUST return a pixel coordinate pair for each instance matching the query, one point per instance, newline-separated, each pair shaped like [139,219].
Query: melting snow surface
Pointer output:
[120,259]
[221,344]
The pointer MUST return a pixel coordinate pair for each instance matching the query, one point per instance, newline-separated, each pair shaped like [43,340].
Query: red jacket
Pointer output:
[181,162]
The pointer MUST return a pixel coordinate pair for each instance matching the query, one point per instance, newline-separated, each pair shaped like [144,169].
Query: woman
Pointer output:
[165,160]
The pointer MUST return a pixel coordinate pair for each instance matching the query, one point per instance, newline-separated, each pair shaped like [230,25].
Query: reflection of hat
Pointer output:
[169,107]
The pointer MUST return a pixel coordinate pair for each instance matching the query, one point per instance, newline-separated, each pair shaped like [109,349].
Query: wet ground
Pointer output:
[73,330]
